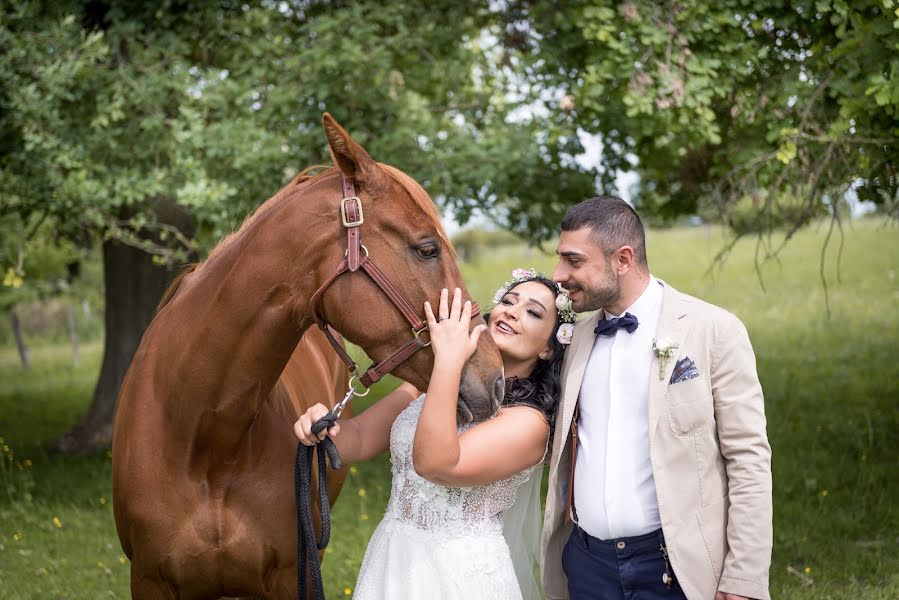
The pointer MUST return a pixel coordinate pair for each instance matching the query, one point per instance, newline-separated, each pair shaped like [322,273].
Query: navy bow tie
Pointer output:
[611,326]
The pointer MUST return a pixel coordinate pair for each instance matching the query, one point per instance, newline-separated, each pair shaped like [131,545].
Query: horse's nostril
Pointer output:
[499,390]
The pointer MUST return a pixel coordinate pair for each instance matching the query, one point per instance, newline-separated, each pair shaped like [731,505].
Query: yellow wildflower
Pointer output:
[57,522]
[27,462]
[102,499]
[354,469]
[361,492]
[122,560]
[807,570]
[364,517]
[347,591]
[823,493]
[12,279]
[17,536]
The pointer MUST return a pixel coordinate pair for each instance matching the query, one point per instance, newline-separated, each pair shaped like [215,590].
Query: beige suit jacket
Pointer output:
[709,450]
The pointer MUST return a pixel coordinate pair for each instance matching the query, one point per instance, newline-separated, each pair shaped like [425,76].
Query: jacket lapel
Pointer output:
[672,326]
[573,373]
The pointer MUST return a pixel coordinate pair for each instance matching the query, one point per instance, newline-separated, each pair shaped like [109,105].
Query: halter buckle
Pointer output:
[343,212]
[417,333]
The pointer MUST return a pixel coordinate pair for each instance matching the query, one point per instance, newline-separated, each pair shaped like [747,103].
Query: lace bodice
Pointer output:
[444,543]
[429,506]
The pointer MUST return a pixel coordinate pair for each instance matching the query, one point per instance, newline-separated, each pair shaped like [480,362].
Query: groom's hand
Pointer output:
[726,596]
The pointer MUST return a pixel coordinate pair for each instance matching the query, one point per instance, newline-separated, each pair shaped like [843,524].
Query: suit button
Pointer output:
[620,545]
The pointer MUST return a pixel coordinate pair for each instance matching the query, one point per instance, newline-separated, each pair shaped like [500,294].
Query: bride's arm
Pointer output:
[367,434]
[490,451]
[512,441]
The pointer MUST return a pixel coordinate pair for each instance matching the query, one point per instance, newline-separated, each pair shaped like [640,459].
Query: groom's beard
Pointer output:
[608,293]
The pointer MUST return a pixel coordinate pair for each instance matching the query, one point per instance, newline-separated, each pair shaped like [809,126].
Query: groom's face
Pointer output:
[585,271]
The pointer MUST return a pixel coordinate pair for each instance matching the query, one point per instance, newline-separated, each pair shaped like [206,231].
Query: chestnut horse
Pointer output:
[203,447]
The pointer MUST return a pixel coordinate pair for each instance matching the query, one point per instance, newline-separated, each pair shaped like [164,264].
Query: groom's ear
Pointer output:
[623,259]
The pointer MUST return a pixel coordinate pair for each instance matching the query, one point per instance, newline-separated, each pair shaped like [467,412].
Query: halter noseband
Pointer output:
[357,257]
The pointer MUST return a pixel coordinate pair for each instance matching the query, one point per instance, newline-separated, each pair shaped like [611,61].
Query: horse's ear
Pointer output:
[350,157]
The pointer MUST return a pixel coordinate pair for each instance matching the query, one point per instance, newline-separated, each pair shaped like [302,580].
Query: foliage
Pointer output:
[48,268]
[716,102]
[830,399]
[109,108]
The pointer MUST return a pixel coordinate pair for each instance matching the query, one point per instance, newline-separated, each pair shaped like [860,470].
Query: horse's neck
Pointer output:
[235,324]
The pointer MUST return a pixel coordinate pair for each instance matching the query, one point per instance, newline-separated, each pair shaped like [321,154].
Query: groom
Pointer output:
[660,476]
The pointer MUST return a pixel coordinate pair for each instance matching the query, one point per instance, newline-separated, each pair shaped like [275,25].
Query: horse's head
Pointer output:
[401,233]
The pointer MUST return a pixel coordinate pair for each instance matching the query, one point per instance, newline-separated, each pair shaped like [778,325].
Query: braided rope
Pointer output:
[307,546]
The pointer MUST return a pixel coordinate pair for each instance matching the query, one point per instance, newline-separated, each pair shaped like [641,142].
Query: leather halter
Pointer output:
[356,258]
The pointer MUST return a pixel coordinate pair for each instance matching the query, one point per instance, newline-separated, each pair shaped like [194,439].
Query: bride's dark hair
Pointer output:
[542,388]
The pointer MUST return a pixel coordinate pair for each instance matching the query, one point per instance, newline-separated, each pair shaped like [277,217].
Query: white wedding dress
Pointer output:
[436,542]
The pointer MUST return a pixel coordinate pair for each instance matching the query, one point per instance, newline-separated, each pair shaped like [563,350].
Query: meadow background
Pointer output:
[831,385]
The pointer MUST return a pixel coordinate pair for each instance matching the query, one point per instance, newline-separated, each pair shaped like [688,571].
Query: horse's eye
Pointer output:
[428,251]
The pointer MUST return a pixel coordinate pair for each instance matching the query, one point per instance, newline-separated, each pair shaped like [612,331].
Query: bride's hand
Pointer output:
[303,427]
[451,340]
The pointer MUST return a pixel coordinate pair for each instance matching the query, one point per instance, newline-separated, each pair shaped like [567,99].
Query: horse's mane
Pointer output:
[176,283]
[305,177]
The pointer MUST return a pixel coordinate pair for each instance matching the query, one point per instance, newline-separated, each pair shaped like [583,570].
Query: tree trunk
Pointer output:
[133,287]
[20,341]
[73,334]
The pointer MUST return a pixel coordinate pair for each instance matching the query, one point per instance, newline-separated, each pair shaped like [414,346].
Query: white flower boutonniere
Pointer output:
[664,349]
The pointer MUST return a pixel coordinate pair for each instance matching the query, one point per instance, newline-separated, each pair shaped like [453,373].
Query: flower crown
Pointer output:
[563,301]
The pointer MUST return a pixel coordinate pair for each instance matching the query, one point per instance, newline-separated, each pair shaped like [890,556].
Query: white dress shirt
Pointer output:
[614,489]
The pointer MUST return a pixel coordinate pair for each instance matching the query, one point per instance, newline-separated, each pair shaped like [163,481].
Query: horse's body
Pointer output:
[208,525]
[203,447]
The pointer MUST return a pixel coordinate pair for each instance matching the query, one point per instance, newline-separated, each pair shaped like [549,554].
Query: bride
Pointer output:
[464,514]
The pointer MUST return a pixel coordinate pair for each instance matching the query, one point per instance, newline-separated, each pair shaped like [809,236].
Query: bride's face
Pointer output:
[522,322]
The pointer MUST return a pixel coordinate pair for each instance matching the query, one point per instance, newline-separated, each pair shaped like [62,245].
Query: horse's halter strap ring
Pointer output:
[357,257]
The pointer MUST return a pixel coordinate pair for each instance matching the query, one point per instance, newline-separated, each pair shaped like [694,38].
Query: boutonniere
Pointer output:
[664,349]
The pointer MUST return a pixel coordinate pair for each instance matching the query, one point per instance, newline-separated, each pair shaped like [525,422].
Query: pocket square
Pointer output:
[684,370]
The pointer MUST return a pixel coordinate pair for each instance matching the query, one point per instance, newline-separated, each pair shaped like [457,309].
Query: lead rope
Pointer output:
[307,546]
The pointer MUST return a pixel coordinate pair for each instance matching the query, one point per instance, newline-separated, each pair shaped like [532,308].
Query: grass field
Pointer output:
[831,387]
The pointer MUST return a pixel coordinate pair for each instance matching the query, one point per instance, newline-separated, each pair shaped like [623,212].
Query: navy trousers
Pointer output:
[634,568]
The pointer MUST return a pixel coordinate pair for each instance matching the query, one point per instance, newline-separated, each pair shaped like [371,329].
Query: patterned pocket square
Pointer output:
[684,370]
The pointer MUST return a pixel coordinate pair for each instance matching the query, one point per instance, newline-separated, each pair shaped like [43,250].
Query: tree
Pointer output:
[154,129]
[780,105]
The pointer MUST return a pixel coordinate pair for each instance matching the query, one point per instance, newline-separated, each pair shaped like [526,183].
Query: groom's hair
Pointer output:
[614,224]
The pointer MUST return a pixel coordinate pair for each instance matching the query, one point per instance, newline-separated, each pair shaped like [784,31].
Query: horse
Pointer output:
[203,445]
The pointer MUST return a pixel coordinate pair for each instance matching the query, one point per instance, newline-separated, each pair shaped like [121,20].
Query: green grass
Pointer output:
[831,387]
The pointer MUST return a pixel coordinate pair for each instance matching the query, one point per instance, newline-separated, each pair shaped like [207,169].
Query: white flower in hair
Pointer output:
[563,300]
[565,333]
